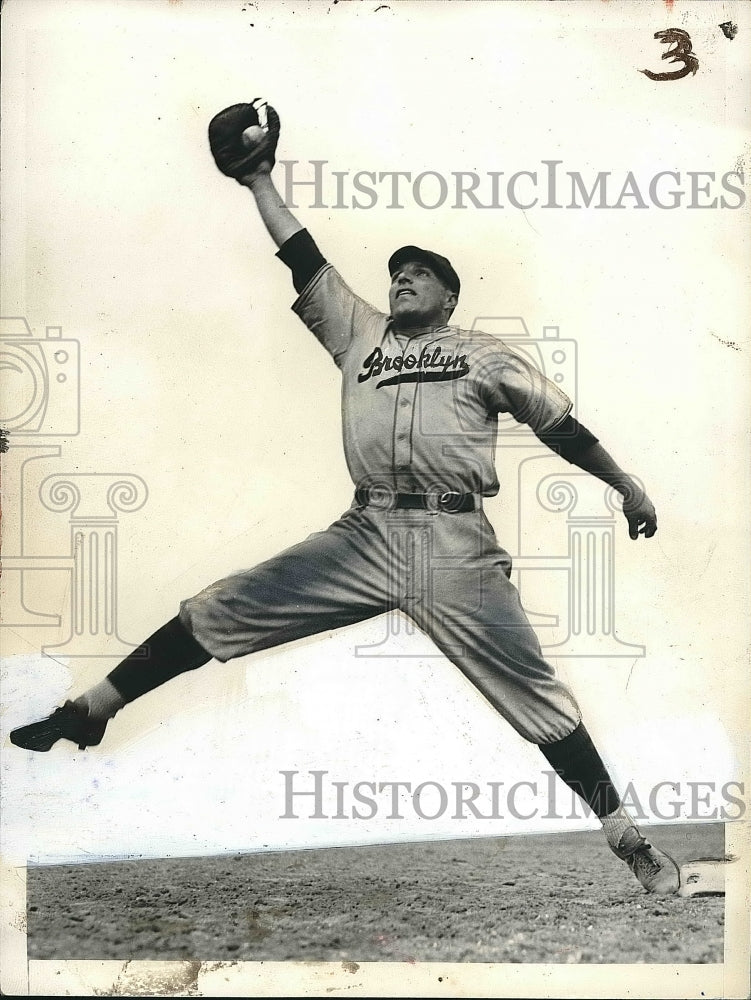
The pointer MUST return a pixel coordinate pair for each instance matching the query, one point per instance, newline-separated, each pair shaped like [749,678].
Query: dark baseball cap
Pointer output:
[435,261]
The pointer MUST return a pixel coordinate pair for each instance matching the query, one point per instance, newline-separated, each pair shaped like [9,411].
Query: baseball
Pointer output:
[253,136]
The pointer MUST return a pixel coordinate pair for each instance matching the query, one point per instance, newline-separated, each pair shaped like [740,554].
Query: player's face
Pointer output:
[418,296]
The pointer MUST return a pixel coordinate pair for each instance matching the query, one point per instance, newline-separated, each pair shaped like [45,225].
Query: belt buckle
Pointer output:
[437,501]
[451,501]
[445,500]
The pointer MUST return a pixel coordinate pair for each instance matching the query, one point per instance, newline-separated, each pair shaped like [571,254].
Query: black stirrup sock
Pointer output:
[170,651]
[576,761]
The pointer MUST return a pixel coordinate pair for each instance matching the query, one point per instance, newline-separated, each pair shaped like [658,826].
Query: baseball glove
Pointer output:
[238,155]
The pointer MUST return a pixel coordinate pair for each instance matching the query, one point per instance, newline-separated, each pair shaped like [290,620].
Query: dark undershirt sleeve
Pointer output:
[569,439]
[302,256]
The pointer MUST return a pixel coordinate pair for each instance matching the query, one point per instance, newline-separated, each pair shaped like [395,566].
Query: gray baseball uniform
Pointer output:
[419,417]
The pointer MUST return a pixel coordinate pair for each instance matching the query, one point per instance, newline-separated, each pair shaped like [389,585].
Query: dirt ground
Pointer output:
[551,898]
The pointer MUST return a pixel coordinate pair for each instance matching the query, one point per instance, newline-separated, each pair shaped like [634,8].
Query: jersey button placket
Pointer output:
[403,426]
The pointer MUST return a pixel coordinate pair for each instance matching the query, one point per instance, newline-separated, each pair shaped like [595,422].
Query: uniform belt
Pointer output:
[454,503]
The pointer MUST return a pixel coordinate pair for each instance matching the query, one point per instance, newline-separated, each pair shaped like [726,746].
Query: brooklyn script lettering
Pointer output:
[425,367]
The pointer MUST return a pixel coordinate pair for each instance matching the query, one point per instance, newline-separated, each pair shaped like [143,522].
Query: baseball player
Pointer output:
[420,405]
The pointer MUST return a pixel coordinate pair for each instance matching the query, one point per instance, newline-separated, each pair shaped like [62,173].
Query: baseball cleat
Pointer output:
[70,722]
[656,871]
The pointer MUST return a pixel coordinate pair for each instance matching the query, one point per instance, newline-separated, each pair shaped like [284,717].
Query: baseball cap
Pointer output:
[441,265]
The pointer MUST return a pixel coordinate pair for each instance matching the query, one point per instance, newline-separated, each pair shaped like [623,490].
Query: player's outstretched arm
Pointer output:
[243,141]
[637,507]
[279,221]
[534,400]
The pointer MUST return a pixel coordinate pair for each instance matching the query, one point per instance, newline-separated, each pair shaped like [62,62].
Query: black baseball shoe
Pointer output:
[656,871]
[71,722]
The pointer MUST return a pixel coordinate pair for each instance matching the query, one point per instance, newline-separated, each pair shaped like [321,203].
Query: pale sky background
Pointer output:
[196,377]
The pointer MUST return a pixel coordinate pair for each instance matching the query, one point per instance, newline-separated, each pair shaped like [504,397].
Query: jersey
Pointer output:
[420,414]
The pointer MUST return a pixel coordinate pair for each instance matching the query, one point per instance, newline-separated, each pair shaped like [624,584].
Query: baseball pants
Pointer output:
[444,570]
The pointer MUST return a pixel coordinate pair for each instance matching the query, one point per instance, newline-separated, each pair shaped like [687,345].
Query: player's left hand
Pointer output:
[640,514]
[243,139]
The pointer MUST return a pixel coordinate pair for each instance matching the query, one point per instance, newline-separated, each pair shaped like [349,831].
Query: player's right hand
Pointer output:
[640,514]
[243,139]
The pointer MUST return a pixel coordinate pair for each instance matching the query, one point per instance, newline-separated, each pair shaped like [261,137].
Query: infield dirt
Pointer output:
[549,898]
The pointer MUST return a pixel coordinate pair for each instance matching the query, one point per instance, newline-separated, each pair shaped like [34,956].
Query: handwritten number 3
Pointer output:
[681,53]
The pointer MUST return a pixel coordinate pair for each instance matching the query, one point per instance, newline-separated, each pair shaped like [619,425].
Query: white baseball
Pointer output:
[253,136]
